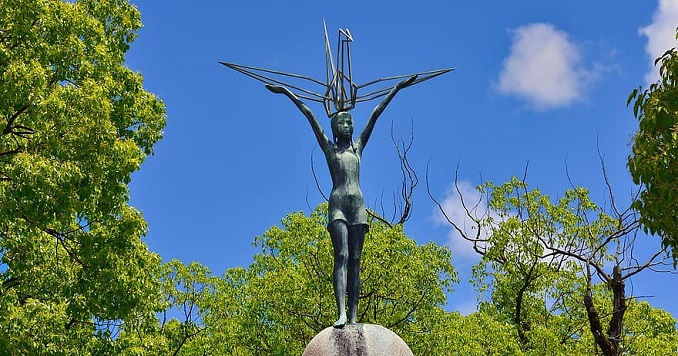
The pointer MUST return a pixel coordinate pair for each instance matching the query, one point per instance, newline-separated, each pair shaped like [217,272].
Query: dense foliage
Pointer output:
[74,124]
[532,303]
[284,298]
[654,159]
[557,273]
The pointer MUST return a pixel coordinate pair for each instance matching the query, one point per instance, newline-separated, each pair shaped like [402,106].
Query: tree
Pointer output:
[74,124]
[653,162]
[553,268]
[284,298]
[188,293]
[278,303]
[480,333]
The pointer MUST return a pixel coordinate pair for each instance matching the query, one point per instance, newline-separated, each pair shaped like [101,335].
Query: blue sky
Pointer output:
[536,81]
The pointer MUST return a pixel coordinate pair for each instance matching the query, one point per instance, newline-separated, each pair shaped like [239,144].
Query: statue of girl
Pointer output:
[347,223]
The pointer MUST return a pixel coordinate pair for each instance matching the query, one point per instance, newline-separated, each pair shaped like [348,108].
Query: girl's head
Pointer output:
[342,126]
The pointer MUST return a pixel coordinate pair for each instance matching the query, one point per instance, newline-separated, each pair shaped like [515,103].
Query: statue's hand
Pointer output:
[407,82]
[275,89]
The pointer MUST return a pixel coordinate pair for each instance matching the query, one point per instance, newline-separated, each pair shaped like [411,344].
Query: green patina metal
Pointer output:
[347,223]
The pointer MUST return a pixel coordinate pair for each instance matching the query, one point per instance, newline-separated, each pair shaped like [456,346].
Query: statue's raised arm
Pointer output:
[369,126]
[320,135]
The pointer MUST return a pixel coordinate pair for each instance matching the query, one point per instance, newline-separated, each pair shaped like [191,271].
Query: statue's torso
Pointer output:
[346,200]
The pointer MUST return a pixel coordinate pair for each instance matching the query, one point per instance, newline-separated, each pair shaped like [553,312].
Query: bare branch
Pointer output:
[649,264]
[315,177]
[477,240]
[607,182]
[376,216]
[410,180]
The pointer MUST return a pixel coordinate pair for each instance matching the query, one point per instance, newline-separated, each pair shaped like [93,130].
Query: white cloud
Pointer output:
[456,213]
[661,35]
[543,67]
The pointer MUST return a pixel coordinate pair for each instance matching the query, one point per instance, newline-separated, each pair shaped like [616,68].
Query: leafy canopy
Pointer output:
[284,298]
[542,261]
[654,160]
[74,124]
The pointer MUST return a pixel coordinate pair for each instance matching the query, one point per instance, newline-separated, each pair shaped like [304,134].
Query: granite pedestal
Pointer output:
[357,340]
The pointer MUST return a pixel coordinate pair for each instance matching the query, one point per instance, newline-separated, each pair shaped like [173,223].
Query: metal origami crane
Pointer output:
[339,91]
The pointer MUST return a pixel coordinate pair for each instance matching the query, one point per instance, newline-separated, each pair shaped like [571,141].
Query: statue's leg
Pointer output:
[356,237]
[339,234]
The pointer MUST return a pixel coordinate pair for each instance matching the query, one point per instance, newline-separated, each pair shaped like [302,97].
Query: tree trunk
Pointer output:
[609,344]
[596,329]
[614,332]
[522,325]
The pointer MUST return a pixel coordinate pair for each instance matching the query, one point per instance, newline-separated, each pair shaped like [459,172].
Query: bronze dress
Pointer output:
[346,200]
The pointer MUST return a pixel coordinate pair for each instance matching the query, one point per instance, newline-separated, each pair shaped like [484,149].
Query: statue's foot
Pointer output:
[341,322]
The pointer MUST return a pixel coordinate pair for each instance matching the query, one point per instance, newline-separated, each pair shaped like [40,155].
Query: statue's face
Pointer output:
[342,125]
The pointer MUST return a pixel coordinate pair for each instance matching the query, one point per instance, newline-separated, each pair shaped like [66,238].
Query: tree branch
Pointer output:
[410,180]
[10,123]
[315,177]
[409,313]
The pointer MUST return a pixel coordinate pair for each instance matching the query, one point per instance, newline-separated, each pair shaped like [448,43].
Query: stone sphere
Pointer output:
[357,340]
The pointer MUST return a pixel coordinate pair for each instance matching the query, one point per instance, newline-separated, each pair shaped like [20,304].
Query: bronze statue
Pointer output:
[347,223]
